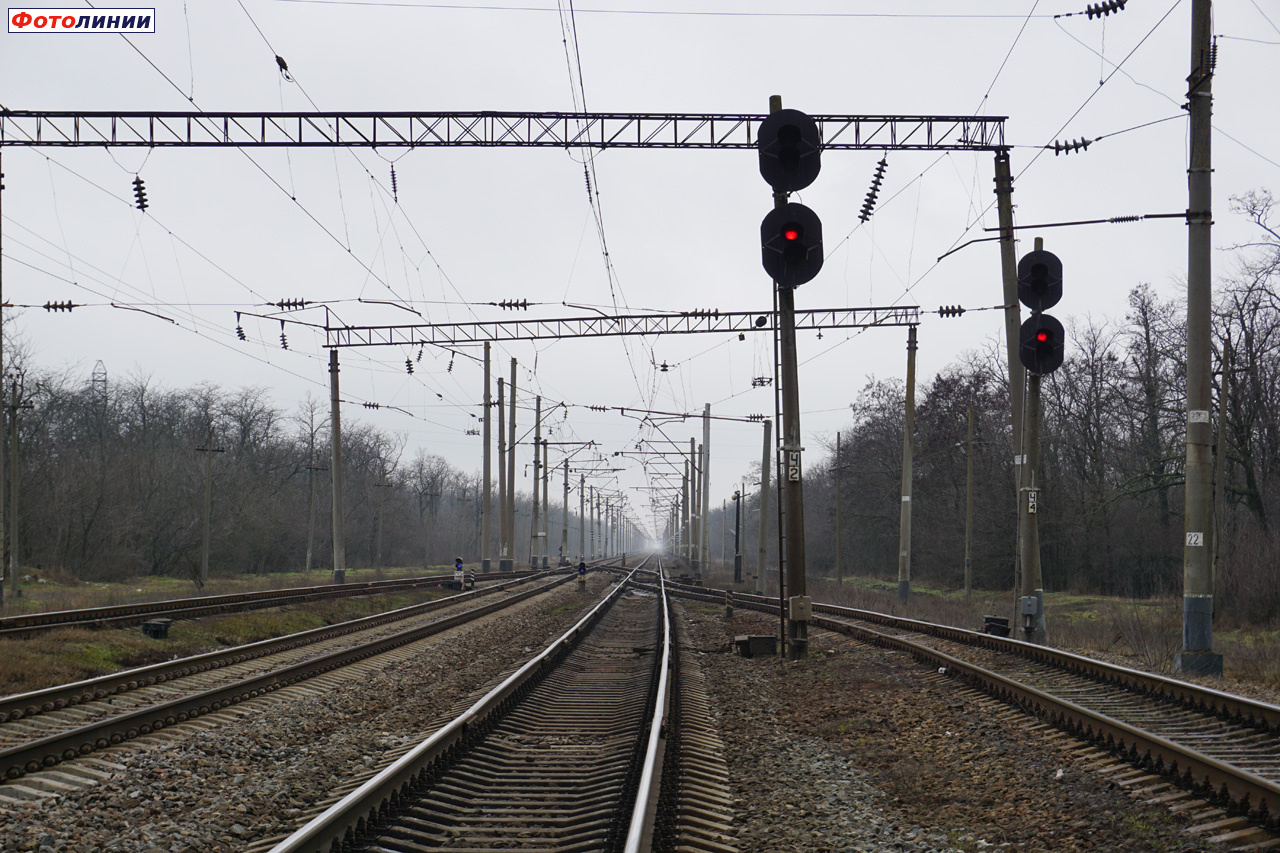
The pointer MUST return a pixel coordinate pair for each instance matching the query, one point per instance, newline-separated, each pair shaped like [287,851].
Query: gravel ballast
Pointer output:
[862,749]
[256,772]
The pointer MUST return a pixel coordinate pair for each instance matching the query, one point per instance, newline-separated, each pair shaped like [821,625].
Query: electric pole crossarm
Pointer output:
[410,129]
[456,334]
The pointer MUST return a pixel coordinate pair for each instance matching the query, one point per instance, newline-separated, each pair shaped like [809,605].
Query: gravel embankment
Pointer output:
[251,777]
[860,749]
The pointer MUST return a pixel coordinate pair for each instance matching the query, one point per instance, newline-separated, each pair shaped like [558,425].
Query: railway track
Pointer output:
[565,754]
[41,729]
[115,615]
[1183,739]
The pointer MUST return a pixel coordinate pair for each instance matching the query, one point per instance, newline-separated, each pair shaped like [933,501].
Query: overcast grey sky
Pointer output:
[471,226]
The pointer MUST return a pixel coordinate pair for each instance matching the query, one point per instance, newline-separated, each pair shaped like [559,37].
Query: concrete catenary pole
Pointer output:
[564,520]
[1197,654]
[706,484]
[13,489]
[13,579]
[335,463]
[763,533]
[537,477]
[1220,458]
[486,506]
[695,508]
[724,532]
[582,513]
[511,474]
[968,513]
[1012,311]
[503,562]
[546,503]
[684,516]
[908,441]
[839,514]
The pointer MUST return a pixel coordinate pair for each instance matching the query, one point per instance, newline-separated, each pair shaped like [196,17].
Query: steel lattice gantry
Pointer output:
[485,129]
[457,334]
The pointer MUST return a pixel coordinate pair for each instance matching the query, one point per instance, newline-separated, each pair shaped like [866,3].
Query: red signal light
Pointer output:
[791,234]
[1042,336]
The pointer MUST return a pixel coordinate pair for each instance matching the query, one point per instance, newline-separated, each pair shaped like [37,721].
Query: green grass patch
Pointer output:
[74,654]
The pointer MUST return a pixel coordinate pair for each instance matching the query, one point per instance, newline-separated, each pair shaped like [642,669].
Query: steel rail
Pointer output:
[1207,699]
[21,705]
[1253,795]
[640,830]
[48,751]
[353,815]
[202,605]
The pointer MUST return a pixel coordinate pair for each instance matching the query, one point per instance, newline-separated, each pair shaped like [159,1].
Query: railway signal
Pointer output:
[1041,339]
[791,244]
[790,150]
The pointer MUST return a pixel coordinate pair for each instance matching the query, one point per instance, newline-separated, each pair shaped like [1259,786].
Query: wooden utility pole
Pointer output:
[486,497]
[1197,654]
[208,450]
[908,449]
[335,439]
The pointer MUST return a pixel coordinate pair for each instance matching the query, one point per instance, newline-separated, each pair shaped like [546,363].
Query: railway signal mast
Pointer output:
[1040,349]
[790,149]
